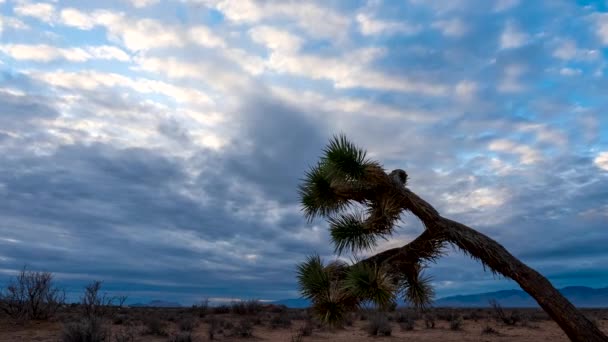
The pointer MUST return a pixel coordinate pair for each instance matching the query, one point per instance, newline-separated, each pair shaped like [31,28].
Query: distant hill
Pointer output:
[296,303]
[580,296]
[158,304]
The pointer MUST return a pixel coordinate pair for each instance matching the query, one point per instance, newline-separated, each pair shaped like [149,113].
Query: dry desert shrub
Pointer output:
[182,336]
[31,295]
[126,333]
[187,324]
[243,329]
[154,325]
[247,307]
[221,309]
[488,330]
[456,323]
[89,329]
[429,321]
[379,325]
[280,320]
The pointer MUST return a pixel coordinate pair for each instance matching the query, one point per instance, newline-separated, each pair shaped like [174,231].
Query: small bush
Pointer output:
[456,323]
[187,324]
[408,325]
[155,326]
[221,309]
[120,319]
[182,336]
[349,320]
[202,308]
[214,326]
[125,334]
[248,307]
[93,303]
[429,321]
[243,329]
[31,295]
[306,329]
[277,308]
[379,326]
[500,315]
[488,330]
[281,320]
[257,320]
[90,329]
[297,337]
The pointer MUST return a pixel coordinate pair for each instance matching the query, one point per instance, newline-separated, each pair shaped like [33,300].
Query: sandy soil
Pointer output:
[471,331]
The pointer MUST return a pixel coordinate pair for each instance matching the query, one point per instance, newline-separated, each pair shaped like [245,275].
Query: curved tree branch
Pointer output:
[490,253]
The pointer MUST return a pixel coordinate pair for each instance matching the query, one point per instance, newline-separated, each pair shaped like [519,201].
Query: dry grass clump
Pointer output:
[379,325]
[89,329]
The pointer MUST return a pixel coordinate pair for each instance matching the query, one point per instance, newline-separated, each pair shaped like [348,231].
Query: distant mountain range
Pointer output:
[580,296]
[157,304]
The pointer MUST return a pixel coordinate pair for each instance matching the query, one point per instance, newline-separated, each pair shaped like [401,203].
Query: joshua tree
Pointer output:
[362,204]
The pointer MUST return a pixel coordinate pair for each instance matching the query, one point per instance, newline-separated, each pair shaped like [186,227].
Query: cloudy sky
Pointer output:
[157,145]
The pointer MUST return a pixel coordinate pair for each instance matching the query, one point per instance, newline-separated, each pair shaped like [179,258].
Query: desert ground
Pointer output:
[274,323]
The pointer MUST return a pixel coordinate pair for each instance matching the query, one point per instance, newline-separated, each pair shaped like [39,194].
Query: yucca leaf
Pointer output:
[333,307]
[313,279]
[317,196]
[349,232]
[344,160]
[416,288]
[370,283]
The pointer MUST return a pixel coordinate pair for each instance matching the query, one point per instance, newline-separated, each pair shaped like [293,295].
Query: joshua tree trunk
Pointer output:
[492,254]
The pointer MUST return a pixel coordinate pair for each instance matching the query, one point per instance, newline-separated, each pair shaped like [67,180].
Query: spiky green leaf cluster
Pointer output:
[344,160]
[322,285]
[349,232]
[416,288]
[342,163]
[336,289]
[313,278]
[370,283]
[317,195]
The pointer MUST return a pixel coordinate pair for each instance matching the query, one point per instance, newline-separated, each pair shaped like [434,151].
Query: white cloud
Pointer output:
[91,80]
[75,18]
[601,160]
[209,73]
[601,26]
[370,26]
[502,5]
[108,52]
[567,50]
[465,90]
[143,3]
[451,28]
[353,106]
[477,199]
[527,155]
[44,53]
[351,71]
[595,213]
[47,53]
[41,11]
[512,37]
[570,72]
[202,36]
[13,23]
[545,134]
[136,35]
[510,82]
[317,21]
[141,34]
[275,39]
